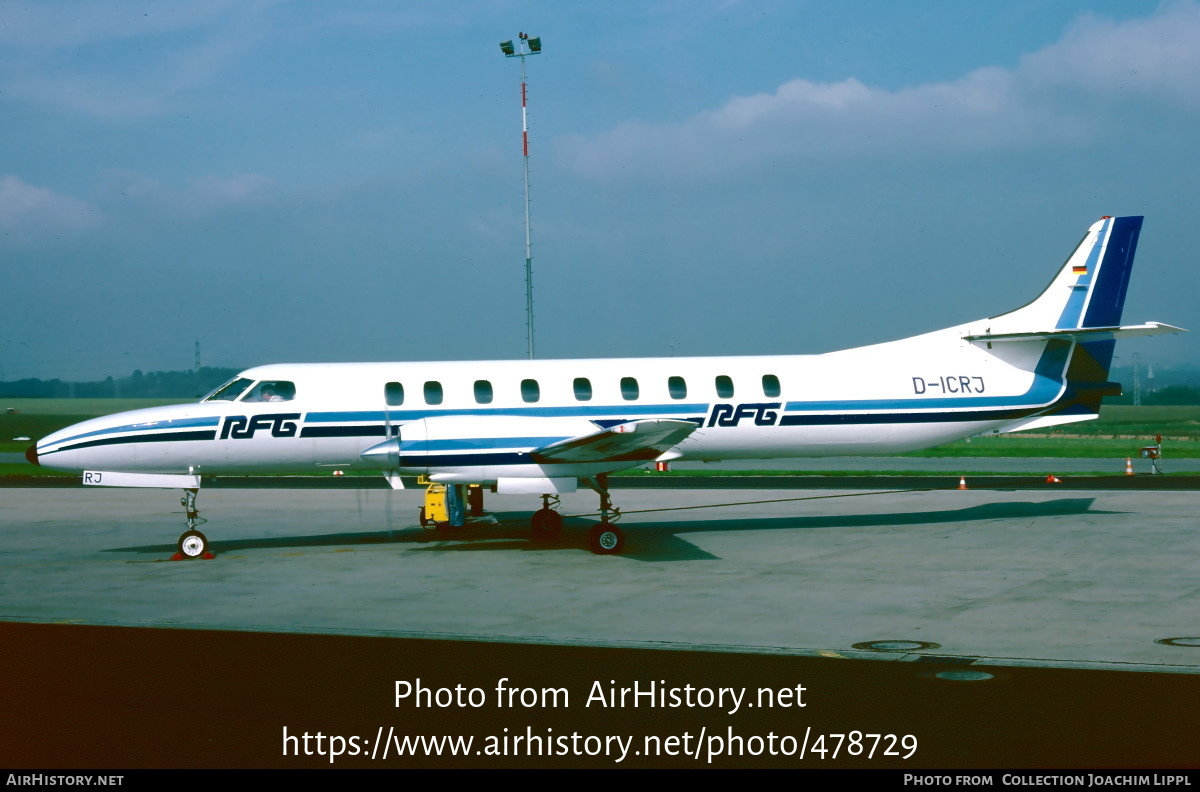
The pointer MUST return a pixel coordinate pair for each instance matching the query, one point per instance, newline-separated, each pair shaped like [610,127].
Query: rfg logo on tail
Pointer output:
[764,414]
[241,427]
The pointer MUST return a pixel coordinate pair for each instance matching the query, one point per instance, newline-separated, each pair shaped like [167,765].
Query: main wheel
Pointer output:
[546,524]
[192,544]
[606,539]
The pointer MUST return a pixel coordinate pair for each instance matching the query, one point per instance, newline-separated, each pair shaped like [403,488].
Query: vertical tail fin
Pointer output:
[1079,313]
[1089,290]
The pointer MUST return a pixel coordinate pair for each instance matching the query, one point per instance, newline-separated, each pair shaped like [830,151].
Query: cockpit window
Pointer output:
[271,391]
[229,391]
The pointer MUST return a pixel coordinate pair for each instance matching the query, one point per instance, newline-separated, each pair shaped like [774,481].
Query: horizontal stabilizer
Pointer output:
[1081,333]
[632,441]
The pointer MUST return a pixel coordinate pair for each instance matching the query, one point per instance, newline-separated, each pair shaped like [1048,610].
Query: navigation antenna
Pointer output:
[527,46]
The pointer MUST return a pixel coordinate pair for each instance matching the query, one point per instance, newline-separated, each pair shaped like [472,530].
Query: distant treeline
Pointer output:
[1163,386]
[154,385]
[1170,396]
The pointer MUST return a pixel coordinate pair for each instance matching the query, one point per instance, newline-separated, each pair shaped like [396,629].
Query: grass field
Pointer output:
[1119,432]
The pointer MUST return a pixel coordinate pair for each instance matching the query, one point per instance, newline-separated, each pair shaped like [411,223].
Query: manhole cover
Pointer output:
[895,646]
[1188,640]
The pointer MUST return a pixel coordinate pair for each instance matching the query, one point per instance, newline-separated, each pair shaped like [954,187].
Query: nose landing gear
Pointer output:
[192,543]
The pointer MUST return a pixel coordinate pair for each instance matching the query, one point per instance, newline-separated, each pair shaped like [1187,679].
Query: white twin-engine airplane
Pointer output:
[538,427]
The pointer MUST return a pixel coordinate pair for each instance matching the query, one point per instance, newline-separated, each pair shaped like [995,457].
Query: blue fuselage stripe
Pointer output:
[178,423]
[473,444]
[577,411]
[155,437]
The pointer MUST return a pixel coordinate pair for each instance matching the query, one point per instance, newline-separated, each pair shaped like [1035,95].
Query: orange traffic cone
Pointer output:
[1053,479]
[1128,466]
[962,482]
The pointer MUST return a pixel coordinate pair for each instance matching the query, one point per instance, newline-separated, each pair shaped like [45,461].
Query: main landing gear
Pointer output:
[603,539]
[192,543]
[547,522]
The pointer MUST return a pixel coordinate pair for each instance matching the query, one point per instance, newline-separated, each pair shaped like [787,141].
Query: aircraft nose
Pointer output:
[31,455]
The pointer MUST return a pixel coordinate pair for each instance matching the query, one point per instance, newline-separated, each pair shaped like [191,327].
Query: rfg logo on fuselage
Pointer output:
[241,427]
[764,414]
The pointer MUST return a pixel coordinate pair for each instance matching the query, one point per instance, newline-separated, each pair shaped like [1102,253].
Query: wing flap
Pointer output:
[634,441]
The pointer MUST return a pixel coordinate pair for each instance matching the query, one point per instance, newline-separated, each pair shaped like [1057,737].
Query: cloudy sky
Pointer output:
[310,181]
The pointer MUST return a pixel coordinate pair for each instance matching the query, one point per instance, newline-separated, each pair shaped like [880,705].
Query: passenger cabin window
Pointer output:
[433,392]
[483,392]
[583,389]
[629,388]
[271,391]
[393,394]
[229,391]
[677,387]
[770,385]
[724,387]
[530,391]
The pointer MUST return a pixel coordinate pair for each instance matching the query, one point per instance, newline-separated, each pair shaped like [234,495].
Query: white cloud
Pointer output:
[1058,96]
[199,196]
[141,76]
[1158,56]
[30,210]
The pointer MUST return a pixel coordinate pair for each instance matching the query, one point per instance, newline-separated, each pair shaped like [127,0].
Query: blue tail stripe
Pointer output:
[1108,294]
[1073,311]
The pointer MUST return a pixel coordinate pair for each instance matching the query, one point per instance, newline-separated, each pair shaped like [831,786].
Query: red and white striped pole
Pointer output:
[527,46]
[528,227]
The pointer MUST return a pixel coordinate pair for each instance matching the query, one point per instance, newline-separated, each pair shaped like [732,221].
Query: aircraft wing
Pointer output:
[634,441]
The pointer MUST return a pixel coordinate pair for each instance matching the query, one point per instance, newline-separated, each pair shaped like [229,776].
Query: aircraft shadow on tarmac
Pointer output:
[645,541]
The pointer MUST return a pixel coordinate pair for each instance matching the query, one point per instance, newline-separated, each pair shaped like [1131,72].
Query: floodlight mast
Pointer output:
[527,46]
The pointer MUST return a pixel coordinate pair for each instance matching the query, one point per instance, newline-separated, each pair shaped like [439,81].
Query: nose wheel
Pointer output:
[192,543]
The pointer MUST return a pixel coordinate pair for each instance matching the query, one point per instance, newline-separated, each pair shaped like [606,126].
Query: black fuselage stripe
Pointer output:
[344,431]
[906,418]
[159,437]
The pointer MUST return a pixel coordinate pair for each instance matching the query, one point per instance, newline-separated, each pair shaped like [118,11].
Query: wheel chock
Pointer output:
[207,555]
